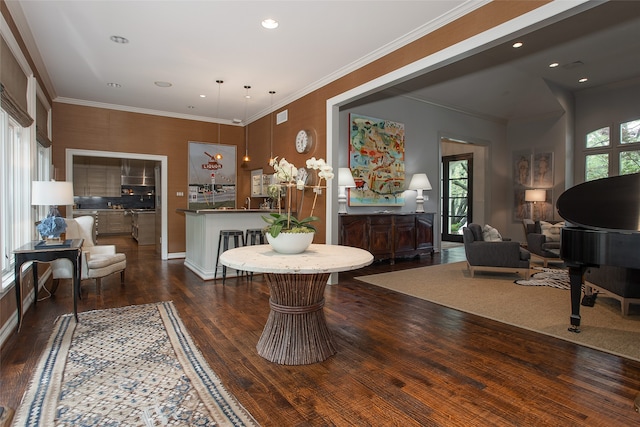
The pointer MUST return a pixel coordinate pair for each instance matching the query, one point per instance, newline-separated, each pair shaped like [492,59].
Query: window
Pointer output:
[14,184]
[618,155]
[597,166]
[598,138]
[630,132]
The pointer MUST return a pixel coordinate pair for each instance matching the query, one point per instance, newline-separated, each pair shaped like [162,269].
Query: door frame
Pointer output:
[444,215]
[70,152]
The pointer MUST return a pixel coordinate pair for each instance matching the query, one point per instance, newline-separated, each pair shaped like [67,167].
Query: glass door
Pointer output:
[457,190]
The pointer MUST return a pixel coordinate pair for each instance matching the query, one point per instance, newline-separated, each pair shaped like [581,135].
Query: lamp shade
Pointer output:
[535,195]
[345,178]
[52,193]
[419,181]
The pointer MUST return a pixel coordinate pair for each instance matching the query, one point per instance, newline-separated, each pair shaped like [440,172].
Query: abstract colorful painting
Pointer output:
[376,159]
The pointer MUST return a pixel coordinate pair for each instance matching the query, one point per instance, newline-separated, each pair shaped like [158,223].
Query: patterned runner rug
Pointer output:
[130,366]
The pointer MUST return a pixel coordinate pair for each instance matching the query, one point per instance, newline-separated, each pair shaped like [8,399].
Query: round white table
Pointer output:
[296,332]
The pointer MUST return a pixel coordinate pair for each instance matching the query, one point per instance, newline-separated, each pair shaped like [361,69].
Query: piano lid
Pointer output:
[609,204]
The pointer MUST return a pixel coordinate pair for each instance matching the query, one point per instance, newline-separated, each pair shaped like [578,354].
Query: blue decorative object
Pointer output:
[52,226]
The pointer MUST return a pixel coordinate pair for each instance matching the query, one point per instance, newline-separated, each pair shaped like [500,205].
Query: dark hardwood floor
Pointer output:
[401,361]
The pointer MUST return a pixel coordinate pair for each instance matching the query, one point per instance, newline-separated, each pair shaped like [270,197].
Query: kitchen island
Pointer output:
[203,230]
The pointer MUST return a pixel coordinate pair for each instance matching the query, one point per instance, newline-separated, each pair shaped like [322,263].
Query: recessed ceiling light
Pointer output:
[270,24]
[162,84]
[583,80]
[517,45]
[119,39]
[554,65]
[113,84]
[203,96]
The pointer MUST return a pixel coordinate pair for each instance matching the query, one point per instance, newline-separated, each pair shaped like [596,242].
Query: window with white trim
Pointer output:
[611,155]
[15,182]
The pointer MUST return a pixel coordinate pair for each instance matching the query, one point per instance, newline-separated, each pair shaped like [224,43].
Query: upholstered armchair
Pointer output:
[543,240]
[487,250]
[98,261]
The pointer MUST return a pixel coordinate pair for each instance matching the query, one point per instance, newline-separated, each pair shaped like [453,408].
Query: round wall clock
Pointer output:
[304,141]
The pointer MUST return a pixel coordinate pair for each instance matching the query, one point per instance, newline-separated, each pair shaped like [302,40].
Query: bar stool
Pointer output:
[253,236]
[223,242]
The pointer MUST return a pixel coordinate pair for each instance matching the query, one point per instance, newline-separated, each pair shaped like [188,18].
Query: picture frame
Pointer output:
[212,175]
[376,160]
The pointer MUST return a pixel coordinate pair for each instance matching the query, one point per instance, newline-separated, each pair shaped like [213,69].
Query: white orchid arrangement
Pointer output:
[287,176]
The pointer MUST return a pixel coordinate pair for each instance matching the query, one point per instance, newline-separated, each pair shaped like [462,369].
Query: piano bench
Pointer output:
[622,284]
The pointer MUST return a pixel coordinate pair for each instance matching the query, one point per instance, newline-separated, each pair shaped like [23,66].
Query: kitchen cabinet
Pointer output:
[143,227]
[96,176]
[388,236]
[112,222]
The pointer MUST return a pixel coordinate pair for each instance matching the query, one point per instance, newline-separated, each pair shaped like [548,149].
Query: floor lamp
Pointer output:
[534,196]
[345,180]
[420,182]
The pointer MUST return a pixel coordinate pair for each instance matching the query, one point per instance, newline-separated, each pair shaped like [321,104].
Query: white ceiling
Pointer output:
[193,43]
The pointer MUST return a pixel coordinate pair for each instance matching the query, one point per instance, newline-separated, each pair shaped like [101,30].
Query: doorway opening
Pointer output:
[160,189]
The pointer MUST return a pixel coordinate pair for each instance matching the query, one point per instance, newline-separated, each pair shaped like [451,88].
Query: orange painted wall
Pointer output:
[82,127]
[109,130]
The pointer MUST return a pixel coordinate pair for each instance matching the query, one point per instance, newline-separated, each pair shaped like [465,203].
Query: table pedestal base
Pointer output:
[296,332]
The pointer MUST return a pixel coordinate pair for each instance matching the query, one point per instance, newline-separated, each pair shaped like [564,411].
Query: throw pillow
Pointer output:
[490,234]
[551,231]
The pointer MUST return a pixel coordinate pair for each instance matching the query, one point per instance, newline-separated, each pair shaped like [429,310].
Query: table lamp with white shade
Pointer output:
[534,196]
[52,194]
[345,180]
[420,182]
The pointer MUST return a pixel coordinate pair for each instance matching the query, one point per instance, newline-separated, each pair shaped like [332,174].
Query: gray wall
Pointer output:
[425,124]
[607,105]
[561,133]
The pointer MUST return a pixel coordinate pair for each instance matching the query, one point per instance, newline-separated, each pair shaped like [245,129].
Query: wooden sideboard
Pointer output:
[387,235]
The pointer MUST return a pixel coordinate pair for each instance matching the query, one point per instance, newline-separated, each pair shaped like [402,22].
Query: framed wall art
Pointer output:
[212,175]
[376,160]
[532,170]
[543,170]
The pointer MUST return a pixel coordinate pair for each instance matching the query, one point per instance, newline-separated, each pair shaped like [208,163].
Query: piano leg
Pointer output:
[575,278]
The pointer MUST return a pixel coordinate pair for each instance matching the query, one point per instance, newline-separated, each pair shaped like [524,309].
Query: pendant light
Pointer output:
[246,126]
[271,92]
[218,155]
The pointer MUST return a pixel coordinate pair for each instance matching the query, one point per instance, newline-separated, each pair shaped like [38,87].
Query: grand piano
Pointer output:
[603,228]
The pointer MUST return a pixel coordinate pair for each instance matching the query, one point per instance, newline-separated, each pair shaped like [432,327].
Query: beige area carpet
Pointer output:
[130,366]
[541,309]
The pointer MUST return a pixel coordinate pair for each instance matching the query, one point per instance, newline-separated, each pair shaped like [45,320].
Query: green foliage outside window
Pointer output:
[458,195]
[598,138]
[597,166]
[630,132]
[629,162]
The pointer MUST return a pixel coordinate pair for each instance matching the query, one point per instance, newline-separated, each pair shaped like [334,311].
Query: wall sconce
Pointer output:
[420,182]
[345,180]
[534,196]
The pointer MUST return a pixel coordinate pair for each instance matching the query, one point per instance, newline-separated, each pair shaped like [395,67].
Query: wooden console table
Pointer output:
[34,251]
[296,332]
[388,235]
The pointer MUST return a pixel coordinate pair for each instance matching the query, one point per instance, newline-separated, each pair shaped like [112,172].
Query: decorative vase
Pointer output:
[290,243]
